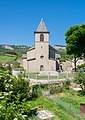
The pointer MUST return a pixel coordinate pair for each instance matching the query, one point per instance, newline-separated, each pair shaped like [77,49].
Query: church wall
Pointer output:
[34,65]
[42,49]
[52,65]
[24,63]
[49,65]
[31,54]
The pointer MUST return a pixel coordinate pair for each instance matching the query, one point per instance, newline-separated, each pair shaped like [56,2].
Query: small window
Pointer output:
[41,37]
[41,56]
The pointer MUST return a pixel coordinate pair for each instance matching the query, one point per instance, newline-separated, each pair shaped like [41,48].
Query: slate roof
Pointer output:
[42,27]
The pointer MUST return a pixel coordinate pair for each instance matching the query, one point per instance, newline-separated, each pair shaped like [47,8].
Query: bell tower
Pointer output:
[41,34]
[42,46]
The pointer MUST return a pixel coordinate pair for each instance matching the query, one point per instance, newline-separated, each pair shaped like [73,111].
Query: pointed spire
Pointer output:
[42,27]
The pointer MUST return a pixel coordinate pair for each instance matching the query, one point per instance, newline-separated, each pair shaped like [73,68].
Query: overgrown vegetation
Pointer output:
[80,79]
[13,96]
[17,101]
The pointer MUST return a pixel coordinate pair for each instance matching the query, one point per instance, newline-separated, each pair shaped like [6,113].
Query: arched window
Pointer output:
[41,37]
[41,68]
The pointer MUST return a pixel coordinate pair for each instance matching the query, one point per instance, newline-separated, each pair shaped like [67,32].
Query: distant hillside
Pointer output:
[12,52]
[13,49]
[8,47]
[60,49]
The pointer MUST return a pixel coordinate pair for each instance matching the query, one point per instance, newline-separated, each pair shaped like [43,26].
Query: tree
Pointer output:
[75,40]
[14,104]
[6,80]
[21,87]
[80,79]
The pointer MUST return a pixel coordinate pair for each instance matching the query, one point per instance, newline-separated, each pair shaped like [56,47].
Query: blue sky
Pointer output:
[20,18]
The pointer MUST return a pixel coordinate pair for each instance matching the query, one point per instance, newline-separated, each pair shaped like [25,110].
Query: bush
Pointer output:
[66,84]
[55,89]
[36,90]
[80,79]
[81,93]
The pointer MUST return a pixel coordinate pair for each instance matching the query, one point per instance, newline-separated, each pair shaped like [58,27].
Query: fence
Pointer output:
[58,76]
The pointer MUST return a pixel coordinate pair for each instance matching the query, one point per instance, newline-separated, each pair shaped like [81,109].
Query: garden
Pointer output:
[19,100]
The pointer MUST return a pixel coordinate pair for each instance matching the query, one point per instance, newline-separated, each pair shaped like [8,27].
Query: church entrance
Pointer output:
[41,68]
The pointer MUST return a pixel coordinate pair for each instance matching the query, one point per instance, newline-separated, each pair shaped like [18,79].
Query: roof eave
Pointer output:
[41,32]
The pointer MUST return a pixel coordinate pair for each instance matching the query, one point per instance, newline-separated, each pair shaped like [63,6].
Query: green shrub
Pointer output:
[80,79]
[36,90]
[55,89]
[66,84]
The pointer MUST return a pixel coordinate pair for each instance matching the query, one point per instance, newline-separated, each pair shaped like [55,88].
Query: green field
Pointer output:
[6,58]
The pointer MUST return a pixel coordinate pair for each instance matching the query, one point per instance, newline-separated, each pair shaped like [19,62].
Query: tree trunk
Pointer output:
[75,63]
[82,87]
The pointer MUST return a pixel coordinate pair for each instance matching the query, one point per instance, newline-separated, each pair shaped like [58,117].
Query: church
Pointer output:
[41,56]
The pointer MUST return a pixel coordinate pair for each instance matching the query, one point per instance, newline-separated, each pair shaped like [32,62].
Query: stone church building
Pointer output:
[41,56]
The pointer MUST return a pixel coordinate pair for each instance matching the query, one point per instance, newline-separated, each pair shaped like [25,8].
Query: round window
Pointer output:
[41,56]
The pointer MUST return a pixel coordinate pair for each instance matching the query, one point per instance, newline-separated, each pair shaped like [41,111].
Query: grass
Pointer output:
[69,108]
[51,106]
[65,106]
[7,57]
[75,101]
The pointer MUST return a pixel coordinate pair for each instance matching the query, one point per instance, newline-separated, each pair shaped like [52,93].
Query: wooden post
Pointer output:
[82,108]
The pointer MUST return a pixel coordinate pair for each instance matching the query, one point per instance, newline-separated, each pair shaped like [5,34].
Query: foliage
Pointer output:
[75,40]
[14,104]
[6,80]
[61,52]
[66,84]
[15,110]
[55,89]
[21,87]
[66,57]
[80,79]
[16,64]
[82,65]
[36,90]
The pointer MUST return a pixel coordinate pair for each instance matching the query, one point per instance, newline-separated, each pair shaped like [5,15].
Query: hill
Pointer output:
[11,52]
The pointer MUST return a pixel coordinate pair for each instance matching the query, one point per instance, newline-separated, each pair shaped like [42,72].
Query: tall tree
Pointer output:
[75,40]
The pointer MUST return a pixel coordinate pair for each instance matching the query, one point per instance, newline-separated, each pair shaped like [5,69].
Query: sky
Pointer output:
[20,18]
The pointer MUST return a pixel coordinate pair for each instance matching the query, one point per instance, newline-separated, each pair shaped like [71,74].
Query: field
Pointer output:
[6,58]
[11,54]
[65,106]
